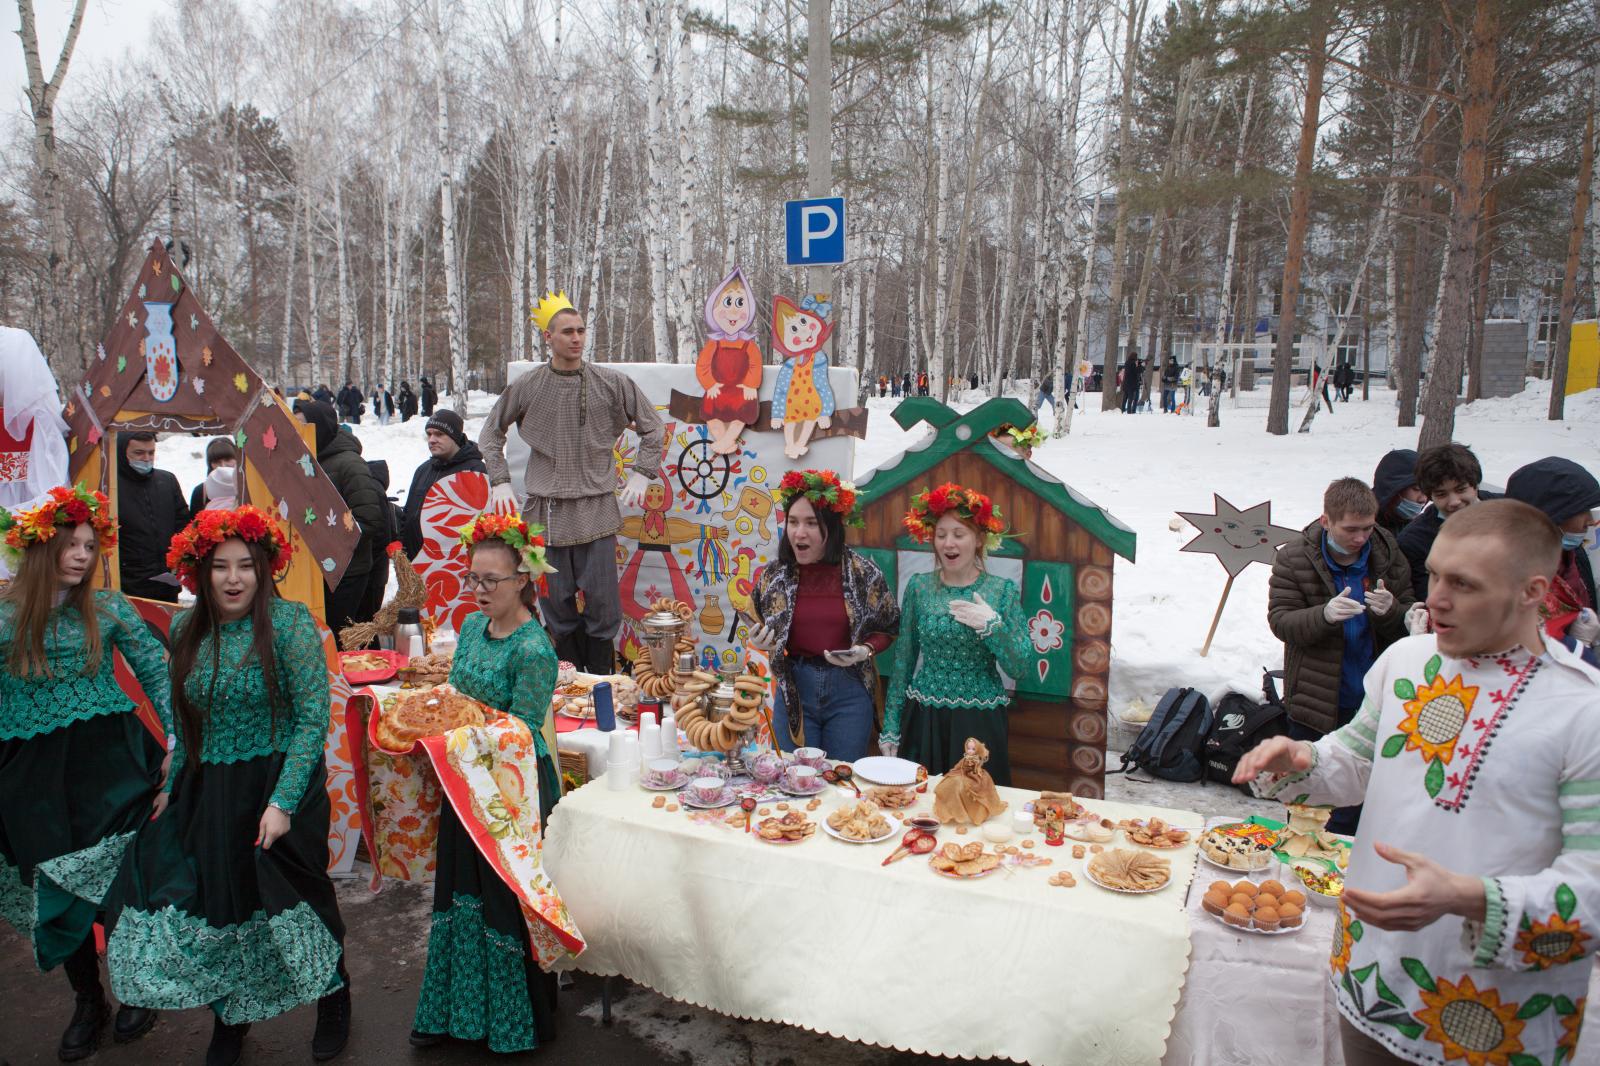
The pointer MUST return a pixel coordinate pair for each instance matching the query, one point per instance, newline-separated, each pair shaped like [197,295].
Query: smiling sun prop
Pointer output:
[1237,538]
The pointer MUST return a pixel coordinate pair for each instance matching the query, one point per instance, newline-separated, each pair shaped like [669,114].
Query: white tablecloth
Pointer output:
[822,936]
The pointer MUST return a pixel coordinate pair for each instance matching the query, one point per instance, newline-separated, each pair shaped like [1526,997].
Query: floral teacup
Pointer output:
[815,758]
[706,790]
[801,778]
[662,773]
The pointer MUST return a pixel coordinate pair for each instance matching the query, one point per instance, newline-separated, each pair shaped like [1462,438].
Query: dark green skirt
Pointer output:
[201,915]
[482,981]
[936,737]
[70,801]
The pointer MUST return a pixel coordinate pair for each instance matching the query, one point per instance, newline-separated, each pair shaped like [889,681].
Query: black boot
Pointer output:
[602,655]
[82,1036]
[132,1023]
[227,1043]
[333,1024]
[421,1039]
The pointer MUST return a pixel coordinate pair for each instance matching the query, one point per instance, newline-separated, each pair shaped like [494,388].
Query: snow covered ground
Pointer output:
[1143,468]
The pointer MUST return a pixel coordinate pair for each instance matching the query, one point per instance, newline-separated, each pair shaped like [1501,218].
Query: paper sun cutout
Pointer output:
[1237,538]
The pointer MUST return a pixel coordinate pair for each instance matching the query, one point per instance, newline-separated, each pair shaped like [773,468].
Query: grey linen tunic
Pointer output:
[571,480]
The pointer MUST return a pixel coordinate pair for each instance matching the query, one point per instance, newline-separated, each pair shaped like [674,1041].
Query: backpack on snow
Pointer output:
[1172,744]
[1242,723]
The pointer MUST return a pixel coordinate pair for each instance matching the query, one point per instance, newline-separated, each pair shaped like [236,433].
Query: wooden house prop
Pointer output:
[165,367]
[1060,555]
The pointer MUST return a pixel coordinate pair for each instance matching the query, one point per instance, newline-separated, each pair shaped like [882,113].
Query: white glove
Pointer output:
[761,638]
[1417,620]
[503,499]
[889,744]
[633,491]
[1379,599]
[1585,628]
[1341,608]
[858,653]
[974,613]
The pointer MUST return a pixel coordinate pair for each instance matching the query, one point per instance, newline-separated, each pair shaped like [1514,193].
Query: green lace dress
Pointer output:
[946,685]
[481,981]
[201,914]
[78,773]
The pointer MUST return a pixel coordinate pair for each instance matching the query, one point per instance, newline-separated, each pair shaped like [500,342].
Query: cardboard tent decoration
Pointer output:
[1060,554]
[165,367]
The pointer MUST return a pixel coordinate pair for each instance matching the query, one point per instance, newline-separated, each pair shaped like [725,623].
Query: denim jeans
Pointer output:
[838,709]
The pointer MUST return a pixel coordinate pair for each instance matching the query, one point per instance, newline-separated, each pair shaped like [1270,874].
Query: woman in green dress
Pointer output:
[970,623]
[482,981]
[79,772]
[224,900]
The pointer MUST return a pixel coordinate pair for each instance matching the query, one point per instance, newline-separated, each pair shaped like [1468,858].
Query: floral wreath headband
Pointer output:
[966,504]
[67,506]
[515,534]
[824,489]
[210,528]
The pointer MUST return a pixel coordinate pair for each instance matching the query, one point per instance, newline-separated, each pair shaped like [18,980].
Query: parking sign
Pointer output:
[814,231]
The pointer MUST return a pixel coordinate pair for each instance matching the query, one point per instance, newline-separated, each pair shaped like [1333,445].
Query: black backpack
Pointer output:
[1172,743]
[1242,723]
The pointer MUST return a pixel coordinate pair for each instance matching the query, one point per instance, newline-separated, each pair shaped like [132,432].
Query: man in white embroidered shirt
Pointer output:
[1472,900]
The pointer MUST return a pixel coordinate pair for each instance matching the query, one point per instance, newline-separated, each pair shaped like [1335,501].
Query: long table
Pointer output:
[821,935]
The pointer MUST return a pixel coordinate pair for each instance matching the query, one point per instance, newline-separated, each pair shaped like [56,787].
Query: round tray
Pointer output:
[886,771]
[1252,930]
[1089,874]
[664,788]
[895,826]
[963,877]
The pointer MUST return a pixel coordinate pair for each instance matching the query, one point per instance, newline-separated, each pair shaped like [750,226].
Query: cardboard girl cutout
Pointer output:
[729,367]
[802,400]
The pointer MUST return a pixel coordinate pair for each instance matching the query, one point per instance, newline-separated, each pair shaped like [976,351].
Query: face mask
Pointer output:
[141,467]
[1571,542]
[1408,509]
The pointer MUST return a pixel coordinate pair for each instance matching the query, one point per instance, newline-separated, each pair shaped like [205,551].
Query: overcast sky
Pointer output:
[110,28]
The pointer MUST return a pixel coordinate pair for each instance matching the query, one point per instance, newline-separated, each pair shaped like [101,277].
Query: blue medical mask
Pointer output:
[1571,542]
[1336,548]
[1408,509]
[141,467]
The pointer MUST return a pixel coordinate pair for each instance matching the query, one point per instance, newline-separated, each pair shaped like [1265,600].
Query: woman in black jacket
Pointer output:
[339,454]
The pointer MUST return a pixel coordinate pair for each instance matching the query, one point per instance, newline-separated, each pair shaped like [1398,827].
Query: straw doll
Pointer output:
[729,367]
[802,399]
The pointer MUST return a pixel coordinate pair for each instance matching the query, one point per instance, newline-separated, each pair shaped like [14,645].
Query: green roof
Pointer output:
[954,432]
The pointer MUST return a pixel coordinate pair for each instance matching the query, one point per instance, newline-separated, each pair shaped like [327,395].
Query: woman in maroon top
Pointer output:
[823,612]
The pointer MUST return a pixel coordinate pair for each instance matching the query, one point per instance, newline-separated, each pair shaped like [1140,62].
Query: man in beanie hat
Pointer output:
[1568,494]
[450,453]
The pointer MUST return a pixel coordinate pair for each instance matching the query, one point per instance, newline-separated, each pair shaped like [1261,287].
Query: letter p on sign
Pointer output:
[814,231]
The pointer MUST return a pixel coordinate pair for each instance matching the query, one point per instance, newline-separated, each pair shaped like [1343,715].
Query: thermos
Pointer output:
[408,624]
[605,712]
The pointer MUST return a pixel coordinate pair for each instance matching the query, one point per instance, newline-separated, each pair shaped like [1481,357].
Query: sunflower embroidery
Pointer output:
[1466,1023]
[1571,1023]
[1435,715]
[1350,931]
[1559,940]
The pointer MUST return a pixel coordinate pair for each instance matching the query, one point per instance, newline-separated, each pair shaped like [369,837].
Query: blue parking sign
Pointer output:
[814,231]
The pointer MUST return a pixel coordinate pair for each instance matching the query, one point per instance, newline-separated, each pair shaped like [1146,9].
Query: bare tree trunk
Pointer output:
[52,199]
[313,317]
[593,295]
[288,299]
[1062,370]
[390,297]
[683,107]
[1569,274]
[1415,328]
[454,325]
[869,332]
[1480,297]
[943,237]
[1224,304]
[551,145]
[1119,244]
[1063,403]
[656,182]
[1477,108]
[522,296]
[1299,223]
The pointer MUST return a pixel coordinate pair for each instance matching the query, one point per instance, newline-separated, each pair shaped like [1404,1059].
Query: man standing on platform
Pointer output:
[571,413]
[1477,758]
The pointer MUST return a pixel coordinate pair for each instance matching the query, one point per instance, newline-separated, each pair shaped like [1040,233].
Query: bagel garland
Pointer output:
[663,686]
[725,734]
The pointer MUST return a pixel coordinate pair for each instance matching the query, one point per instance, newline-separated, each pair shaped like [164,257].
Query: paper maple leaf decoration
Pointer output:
[241,383]
[1237,538]
[269,439]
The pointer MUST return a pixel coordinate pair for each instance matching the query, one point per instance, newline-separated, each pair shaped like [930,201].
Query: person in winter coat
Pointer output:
[1130,382]
[1169,385]
[429,397]
[339,454]
[1448,475]
[219,452]
[150,509]
[1394,483]
[450,453]
[407,401]
[382,404]
[350,404]
[1337,598]
[323,393]
[1568,494]
[378,577]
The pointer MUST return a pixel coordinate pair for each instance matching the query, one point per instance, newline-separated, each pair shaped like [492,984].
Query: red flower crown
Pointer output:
[824,489]
[517,535]
[210,528]
[966,504]
[64,505]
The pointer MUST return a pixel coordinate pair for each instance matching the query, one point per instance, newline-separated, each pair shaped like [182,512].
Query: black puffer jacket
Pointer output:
[467,457]
[150,509]
[339,454]
[1560,488]
[1397,470]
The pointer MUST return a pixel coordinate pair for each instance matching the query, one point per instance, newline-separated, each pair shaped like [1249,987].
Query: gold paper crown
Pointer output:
[549,307]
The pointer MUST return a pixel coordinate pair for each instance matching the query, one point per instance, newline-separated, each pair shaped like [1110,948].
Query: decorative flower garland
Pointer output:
[210,528]
[1029,438]
[824,489]
[517,535]
[63,506]
[967,504]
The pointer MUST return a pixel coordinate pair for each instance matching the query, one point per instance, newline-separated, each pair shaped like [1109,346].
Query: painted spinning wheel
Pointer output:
[703,473]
